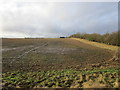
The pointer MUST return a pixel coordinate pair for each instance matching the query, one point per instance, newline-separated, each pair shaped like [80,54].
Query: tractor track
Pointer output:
[44,44]
[27,52]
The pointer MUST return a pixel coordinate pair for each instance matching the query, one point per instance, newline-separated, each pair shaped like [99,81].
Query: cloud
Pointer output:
[50,19]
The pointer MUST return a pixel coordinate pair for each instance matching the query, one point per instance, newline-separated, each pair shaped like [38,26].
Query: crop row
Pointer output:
[61,79]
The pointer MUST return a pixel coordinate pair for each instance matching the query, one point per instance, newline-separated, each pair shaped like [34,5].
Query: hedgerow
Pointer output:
[108,38]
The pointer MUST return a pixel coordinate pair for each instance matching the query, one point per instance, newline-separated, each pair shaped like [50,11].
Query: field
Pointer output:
[58,62]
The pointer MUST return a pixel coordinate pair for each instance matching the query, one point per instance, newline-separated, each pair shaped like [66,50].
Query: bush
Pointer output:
[108,38]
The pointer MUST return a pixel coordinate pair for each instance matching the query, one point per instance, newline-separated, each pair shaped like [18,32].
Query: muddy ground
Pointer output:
[53,54]
[57,63]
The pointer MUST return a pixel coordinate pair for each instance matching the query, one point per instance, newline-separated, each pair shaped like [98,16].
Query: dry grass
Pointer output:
[100,45]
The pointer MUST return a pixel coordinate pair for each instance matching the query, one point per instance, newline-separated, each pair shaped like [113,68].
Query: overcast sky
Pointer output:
[20,19]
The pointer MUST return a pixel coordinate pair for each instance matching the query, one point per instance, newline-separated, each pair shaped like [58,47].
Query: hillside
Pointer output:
[68,55]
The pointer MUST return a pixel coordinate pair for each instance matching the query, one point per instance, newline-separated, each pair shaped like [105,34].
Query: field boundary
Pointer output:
[100,45]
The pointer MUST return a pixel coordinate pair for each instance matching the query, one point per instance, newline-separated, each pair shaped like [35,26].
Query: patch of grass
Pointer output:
[58,78]
[100,45]
[102,71]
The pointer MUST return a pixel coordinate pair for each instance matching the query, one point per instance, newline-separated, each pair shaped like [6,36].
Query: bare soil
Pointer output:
[53,54]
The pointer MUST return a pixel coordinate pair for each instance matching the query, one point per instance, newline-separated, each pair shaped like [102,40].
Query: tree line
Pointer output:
[107,38]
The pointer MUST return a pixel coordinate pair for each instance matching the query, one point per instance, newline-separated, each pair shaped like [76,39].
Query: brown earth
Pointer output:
[49,54]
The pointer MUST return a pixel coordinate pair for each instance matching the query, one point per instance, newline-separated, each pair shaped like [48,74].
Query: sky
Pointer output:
[55,19]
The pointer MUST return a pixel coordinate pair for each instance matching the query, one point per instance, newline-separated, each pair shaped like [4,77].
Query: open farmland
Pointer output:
[54,58]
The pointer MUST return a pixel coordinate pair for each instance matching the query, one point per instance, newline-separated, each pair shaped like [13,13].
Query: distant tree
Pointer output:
[108,38]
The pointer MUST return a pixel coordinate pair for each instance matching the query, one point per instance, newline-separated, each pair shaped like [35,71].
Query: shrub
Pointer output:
[108,38]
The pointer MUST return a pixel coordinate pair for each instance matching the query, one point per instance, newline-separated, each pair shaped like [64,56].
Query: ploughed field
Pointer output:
[58,62]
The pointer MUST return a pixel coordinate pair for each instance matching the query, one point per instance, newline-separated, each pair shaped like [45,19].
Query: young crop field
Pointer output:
[58,63]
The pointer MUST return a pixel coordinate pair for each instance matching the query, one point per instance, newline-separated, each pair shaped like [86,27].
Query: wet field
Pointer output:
[57,63]
[49,54]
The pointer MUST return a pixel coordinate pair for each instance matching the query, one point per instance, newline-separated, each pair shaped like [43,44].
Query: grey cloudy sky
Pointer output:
[22,19]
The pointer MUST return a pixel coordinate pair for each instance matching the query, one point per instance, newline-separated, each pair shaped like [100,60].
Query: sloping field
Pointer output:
[47,54]
[24,56]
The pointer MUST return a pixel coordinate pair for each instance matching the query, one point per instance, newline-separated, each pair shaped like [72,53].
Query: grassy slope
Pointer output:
[100,45]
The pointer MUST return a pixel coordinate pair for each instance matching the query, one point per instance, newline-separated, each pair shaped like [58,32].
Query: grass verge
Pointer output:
[100,45]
